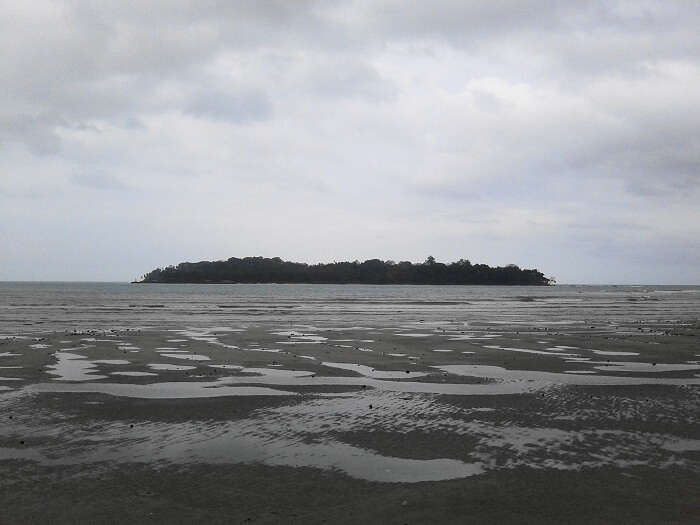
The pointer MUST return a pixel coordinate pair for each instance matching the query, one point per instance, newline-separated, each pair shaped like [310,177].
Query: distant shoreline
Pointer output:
[261,270]
[348,283]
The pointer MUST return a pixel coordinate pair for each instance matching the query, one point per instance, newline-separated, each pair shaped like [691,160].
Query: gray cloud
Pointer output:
[560,135]
[347,79]
[99,181]
[36,132]
[232,107]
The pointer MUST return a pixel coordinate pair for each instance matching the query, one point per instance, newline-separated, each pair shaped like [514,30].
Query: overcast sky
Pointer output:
[558,135]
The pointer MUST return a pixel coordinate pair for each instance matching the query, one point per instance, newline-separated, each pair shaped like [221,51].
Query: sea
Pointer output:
[37,307]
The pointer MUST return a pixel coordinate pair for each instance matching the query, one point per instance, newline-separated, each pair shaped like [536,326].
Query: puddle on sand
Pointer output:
[296,342]
[261,349]
[506,381]
[239,442]
[367,371]
[468,337]
[168,366]
[605,352]
[225,329]
[175,390]
[533,380]
[266,436]
[553,353]
[73,367]
[127,346]
[205,335]
[310,434]
[275,372]
[189,357]
[226,386]
[133,374]
[349,329]
[364,464]
[306,339]
[631,366]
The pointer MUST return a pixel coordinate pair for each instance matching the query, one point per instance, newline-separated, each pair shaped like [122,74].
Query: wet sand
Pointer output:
[435,421]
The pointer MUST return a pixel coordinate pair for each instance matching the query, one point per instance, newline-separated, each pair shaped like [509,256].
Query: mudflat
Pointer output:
[424,420]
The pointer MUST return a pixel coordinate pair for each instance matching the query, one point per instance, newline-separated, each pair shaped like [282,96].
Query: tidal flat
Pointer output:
[349,405]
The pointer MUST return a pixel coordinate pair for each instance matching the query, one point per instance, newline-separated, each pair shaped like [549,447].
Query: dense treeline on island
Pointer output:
[373,271]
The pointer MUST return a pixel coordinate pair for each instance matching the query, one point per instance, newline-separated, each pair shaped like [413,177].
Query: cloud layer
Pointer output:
[562,136]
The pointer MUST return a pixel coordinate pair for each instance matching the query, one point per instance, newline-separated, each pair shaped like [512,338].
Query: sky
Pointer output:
[558,135]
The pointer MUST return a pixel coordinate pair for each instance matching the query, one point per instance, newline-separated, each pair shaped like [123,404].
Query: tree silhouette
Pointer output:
[372,271]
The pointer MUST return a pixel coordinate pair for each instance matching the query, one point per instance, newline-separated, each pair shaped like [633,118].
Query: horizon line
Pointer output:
[39,281]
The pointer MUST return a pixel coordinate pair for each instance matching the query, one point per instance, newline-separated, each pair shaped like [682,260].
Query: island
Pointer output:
[372,271]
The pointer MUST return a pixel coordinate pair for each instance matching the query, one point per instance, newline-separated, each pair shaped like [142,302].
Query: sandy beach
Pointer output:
[419,422]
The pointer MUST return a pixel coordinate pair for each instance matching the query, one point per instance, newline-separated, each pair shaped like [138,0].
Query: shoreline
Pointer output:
[343,283]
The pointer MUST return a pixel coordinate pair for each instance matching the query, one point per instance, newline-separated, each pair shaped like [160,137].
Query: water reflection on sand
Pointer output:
[358,387]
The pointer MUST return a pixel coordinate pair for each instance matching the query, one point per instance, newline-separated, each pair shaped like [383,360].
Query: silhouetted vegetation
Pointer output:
[373,271]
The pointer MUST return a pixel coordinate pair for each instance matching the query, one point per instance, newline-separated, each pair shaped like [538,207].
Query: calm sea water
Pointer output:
[41,307]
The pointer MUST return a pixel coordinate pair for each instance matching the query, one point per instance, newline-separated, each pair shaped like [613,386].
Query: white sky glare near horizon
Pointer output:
[561,135]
